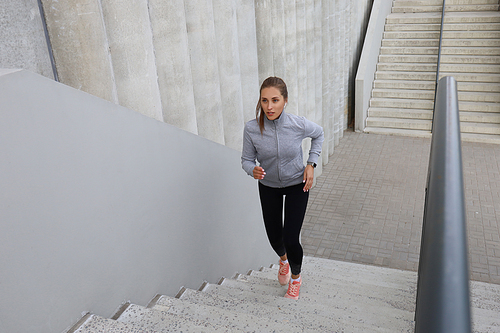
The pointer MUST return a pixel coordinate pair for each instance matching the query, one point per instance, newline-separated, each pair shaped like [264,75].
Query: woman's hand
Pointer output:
[258,172]
[308,177]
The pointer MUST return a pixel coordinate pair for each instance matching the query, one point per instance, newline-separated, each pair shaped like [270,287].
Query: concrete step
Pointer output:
[398,132]
[226,316]
[489,26]
[479,128]
[450,17]
[402,103]
[150,320]
[281,310]
[482,138]
[430,85]
[433,50]
[403,94]
[445,68]
[465,96]
[375,313]
[445,59]
[398,3]
[431,76]
[434,42]
[400,113]
[449,8]
[409,124]
[446,35]
[478,107]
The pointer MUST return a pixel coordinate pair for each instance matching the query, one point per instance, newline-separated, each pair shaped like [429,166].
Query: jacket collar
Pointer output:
[277,122]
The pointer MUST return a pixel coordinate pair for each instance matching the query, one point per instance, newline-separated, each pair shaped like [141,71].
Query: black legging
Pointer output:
[284,237]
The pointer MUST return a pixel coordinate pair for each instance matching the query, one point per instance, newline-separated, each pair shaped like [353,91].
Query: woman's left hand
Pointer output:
[308,177]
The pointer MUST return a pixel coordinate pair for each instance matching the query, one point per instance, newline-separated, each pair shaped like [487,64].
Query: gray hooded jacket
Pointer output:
[279,148]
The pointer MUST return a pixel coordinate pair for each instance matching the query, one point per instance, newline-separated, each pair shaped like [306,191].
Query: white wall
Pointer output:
[100,205]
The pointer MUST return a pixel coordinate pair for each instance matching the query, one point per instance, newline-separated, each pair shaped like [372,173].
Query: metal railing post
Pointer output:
[443,301]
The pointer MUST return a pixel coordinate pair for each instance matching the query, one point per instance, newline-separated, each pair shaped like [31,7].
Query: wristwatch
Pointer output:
[314,165]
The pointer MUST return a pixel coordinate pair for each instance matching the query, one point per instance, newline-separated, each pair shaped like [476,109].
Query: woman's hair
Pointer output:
[271,81]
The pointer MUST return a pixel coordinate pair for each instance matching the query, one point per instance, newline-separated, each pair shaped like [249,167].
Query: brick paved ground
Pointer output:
[367,206]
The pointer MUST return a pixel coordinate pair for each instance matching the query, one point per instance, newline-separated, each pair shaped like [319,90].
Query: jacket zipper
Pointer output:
[278,152]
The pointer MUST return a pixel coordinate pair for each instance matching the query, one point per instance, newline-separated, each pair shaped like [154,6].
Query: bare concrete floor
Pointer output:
[367,206]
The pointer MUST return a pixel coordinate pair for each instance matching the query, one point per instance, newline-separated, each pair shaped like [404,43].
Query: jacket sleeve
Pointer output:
[249,153]
[315,132]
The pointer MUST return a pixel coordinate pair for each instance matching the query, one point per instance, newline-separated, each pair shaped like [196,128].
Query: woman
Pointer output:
[274,139]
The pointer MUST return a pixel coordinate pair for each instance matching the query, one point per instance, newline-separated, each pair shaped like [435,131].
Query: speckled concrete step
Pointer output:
[151,320]
[402,103]
[337,316]
[246,322]
[445,67]
[371,294]
[449,8]
[450,17]
[366,309]
[433,50]
[399,113]
[434,42]
[281,311]
[431,76]
[446,27]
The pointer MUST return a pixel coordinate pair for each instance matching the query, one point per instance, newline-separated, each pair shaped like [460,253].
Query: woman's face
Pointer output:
[272,102]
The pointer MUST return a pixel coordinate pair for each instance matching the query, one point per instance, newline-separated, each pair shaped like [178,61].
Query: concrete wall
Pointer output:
[100,205]
[22,39]
[368,61]
[204,60]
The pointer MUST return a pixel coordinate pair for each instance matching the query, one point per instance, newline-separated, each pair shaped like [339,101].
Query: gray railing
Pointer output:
[47,39]
[439,56]
[443,303]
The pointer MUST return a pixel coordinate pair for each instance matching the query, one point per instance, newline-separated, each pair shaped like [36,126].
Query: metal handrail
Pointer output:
[47,39]
[438,60]
[443,301]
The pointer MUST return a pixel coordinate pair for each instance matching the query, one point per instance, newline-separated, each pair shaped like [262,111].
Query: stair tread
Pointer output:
[160,321]
[379,315]
[281,309]
[226,316]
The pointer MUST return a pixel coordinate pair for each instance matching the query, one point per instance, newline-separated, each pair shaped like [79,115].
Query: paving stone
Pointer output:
[367,206]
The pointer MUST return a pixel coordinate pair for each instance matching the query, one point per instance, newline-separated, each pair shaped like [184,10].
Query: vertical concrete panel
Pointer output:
[278,38]
[23,40]
[300,11]
[325,77]
[173,63]
[291,56]
[264,26]
[318,51]
[204,67]
[339,74]
[131,46]
[226,32]
[311,59]
[80,46]
[332,73]
[249,66]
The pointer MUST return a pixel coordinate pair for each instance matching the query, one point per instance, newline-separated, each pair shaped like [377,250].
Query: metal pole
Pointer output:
[47,39]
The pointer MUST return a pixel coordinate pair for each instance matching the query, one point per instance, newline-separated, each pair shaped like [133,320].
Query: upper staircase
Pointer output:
[403,91]
[335,297]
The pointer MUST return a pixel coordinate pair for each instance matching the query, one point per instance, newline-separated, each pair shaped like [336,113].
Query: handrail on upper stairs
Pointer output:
[443,301]
[438,60]
[47,40]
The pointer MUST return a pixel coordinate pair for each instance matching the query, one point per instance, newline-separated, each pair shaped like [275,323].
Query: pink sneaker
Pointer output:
[284,273]
[293,290]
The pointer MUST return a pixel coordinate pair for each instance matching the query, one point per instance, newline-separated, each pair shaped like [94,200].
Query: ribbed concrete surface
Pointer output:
[335,297]
[403,91]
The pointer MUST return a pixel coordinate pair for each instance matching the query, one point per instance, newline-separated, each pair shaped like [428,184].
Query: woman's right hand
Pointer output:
[258,172]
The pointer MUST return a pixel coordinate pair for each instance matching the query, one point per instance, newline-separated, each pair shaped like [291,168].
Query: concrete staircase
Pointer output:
[335,297]
[403,91]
